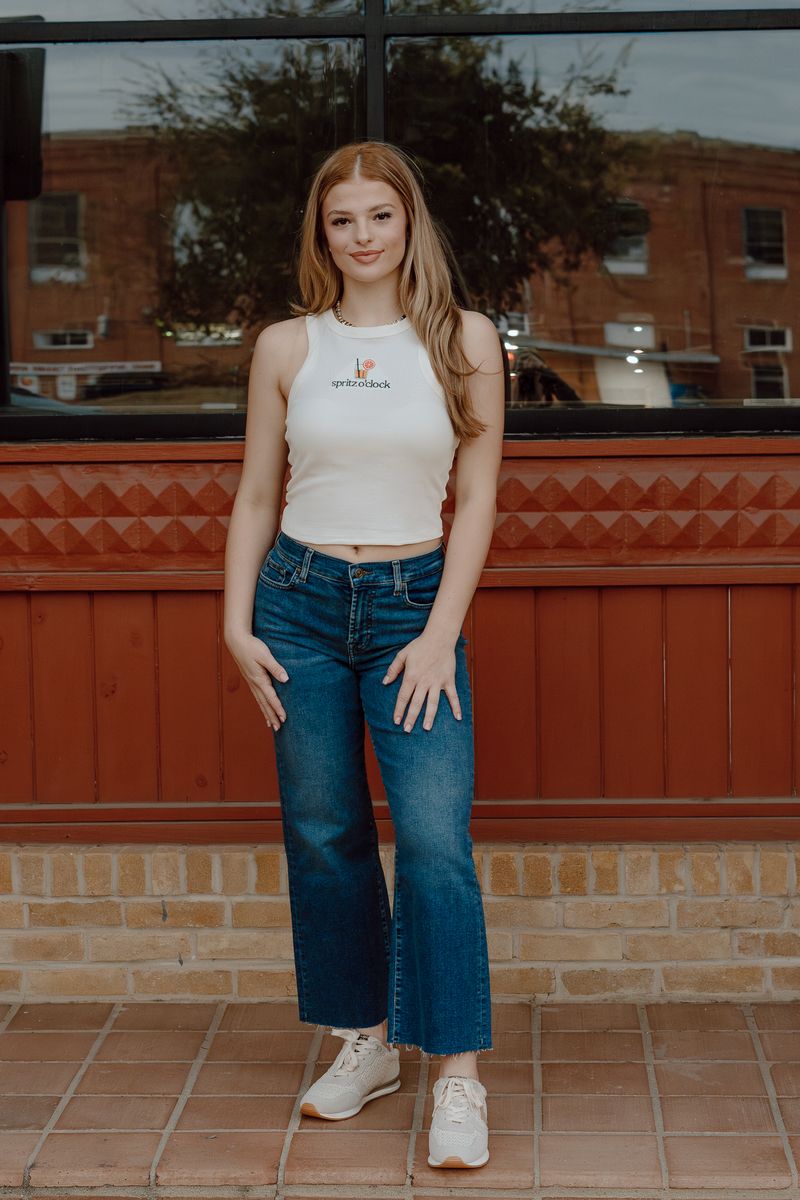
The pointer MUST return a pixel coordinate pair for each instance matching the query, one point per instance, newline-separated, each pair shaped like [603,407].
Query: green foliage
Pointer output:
[518,178]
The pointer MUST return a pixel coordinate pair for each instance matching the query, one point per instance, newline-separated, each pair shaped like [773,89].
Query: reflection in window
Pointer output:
[769,383]
[170,10]
[552,6]
[55,251]
[764,243]
[163,242]
[63,339]
[767,338]
[627,254]
[622,190]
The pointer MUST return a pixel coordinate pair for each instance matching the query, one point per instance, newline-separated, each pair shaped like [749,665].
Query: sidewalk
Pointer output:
[613,1100]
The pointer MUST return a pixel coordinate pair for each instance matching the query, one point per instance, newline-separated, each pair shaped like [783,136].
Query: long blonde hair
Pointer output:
[425,289]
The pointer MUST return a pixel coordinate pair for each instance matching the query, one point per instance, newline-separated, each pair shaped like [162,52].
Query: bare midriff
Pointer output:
[375,553]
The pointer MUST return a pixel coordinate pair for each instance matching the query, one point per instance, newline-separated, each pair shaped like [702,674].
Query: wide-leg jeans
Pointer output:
[423,965]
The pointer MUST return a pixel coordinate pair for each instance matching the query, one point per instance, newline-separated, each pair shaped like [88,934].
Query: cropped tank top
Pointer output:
[370,439]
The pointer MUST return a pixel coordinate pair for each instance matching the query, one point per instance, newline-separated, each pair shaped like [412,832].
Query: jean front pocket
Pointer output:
[421,592]
[277,574]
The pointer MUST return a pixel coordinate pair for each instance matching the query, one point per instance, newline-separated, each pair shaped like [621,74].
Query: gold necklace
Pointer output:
[338,314]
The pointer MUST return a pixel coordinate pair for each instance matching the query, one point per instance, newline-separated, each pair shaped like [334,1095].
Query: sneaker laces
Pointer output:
[353,1051]
[459,1095]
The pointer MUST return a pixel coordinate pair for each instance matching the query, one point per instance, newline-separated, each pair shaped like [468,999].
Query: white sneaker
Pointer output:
[363,1069]
[459,1133]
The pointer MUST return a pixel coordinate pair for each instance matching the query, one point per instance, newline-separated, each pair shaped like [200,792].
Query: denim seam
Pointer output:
[299,952]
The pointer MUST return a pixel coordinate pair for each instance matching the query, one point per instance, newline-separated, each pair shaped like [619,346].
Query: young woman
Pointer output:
[344,608]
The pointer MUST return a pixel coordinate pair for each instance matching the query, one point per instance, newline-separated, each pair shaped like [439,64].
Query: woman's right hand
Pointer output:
[258,664]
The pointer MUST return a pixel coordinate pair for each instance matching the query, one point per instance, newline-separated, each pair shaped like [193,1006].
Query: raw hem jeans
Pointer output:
[336,626]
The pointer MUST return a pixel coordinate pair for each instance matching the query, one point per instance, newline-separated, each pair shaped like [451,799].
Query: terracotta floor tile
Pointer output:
[753,1162]
[36,1079]
[773,1014]
[794,1146]
[790,1112]
[507,1114]
[236,1112]
[668,1014]
[592,1045]
[248,1079]
[628,1160]
[340,1156]
[262,1014]
[26,1112]
[613,1015]
[71,1015]
[394,1111]
[512,1017]
[270,1045]
[781,1045]
[220,1159]
[717,1114]
[508,1047]
[719,1045]
[15,1149]
[78,1159]
[163,1014]
[510,1165]
[786,1078]
[608,1079]
[45,1046]
[593,1114]
[122,1079]
[116,1112]
[709,1079]
[150,1045]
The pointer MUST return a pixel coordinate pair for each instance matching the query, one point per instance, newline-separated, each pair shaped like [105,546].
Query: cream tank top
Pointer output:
[370,440]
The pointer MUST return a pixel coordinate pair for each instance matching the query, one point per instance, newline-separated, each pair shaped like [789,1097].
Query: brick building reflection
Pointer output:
[699,310]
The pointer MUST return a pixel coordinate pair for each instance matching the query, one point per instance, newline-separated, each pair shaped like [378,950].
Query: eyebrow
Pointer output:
[345,213]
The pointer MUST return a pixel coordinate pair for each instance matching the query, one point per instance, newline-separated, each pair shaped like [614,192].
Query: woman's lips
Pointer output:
[367,257]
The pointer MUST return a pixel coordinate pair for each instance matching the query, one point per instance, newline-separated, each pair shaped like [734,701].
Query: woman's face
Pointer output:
[365,225]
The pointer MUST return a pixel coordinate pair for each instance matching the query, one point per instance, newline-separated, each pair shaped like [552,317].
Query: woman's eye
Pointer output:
[383,214]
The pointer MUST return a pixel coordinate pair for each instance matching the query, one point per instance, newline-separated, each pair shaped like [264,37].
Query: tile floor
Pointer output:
[612,1100]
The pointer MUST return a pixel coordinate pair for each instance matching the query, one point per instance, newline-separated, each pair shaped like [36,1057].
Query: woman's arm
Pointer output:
[256,508]
[428,662]
[479,462]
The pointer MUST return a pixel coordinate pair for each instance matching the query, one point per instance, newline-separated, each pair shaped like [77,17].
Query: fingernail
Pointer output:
[385,679]
[284,677]
[407,728]
[397,720]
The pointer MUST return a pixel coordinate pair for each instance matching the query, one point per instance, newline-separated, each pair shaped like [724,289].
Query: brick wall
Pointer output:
[564,921]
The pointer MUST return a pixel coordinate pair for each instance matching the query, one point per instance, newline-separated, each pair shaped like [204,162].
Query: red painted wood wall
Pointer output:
[634,646]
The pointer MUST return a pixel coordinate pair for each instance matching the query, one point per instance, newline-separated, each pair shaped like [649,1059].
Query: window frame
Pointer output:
[375,26]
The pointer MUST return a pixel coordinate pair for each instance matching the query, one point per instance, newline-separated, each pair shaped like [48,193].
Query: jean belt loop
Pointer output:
[309,554]
[398,576]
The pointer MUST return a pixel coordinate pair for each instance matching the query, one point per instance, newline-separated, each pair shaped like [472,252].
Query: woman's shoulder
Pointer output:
[477,329]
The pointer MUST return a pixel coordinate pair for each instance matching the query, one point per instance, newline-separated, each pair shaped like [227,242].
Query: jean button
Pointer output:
[359,571]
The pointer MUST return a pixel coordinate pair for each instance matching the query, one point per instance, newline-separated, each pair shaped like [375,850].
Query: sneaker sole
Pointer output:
[310,1109]
[453,1160]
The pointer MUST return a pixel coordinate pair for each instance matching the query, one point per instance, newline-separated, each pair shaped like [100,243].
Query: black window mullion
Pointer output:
[374,67]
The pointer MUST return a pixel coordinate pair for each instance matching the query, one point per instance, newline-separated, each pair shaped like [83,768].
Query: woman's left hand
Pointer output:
[429,667]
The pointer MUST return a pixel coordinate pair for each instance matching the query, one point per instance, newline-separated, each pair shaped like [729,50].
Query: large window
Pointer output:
[619,191]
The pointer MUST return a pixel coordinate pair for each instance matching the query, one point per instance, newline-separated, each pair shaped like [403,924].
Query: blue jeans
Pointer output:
[336,626]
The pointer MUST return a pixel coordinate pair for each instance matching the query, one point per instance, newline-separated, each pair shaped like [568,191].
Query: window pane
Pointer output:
[170,10]
[164,237]
[572,6]
[622,206]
